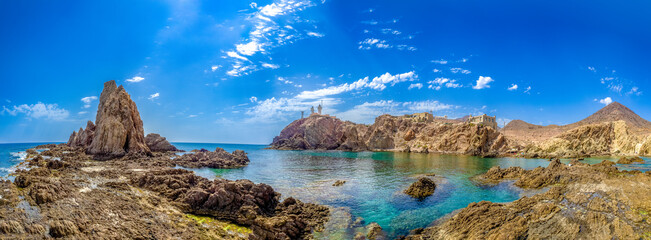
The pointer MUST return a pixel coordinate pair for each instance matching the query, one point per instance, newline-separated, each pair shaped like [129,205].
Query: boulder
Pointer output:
[422,188]
[118,129]
[157,143]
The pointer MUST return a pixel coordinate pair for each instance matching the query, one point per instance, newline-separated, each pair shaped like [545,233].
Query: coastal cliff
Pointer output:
[614,130]
[391,133]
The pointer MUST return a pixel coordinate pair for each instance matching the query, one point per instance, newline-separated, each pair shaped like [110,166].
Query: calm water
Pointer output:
[375,180]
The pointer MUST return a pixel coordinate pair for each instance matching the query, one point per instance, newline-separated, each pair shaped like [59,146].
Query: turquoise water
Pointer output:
[375,180]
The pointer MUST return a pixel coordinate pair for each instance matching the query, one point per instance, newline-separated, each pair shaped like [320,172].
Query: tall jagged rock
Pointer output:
[118,129]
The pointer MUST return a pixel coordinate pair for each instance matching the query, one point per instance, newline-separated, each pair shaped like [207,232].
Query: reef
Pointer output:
[422,188]
[217,159]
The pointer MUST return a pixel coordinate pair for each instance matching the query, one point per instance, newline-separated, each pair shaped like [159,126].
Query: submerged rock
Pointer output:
[157,143]
[374,232]
[217,159]
[630,160]
[338,183]
[422,188]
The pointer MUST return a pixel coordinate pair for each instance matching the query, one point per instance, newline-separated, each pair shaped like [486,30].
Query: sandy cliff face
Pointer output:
[390,133]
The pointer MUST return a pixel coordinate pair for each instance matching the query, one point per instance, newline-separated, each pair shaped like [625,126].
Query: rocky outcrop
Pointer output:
[390,133]
[239,201]
[314,132]
[422,188]
[630,160]
[157,143]
[118,128]
[583,202]
[217,159]
[84,137]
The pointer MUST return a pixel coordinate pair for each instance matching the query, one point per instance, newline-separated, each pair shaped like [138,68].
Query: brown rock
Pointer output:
[157,143]
[217,159]
[84,137]
[625,160]
[374,231]
[338,183]
[62,228]
[422,188]
[118,128]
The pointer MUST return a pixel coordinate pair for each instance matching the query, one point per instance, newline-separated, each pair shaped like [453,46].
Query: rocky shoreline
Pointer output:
[582,202]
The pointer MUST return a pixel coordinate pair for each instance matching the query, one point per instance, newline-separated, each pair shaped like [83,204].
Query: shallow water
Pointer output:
[374,181]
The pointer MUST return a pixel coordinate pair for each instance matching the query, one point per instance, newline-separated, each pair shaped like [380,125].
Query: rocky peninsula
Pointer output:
[111,182]
[614,130]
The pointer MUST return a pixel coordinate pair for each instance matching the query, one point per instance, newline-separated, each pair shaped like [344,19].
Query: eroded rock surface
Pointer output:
[392,133]
[157,143]
[630,160]
[422,188]
[217,159]
[76,197]
[583,202]
[118,128]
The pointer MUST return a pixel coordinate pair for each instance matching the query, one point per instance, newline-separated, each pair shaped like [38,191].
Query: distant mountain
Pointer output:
[615,112]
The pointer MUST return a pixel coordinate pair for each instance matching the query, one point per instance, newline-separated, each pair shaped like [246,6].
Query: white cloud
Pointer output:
[88,100]
[377,83]
[528,89]
[253,99]
[269,65]
[513,87]
[592,69]
[483,82]
[606,79]
[315,34]
[235,55]
[436,70]
[215,67]
[440,61]
[635,90]
[459,70]
[368,111]
[369,43]
[135,79]
[82,112]
[271,27]
[38,110]
[154,96]
[437,83]
[415,85]
[606,101]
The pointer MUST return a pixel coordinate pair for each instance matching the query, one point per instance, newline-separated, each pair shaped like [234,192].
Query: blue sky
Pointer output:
[239,71]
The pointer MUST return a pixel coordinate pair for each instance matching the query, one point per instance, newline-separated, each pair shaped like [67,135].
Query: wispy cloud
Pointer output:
[440,61]
[273,26]
[377,83]
[88,100]
[135,79]
[38,110]
[154,96]
[513,87]
[368,111]
[415,85]
[440,82]
[459,70]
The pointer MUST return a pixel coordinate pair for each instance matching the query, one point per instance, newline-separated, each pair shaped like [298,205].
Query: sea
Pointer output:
[374,186]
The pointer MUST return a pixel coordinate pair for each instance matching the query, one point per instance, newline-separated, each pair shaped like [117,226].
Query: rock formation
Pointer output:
[422,188]
[390,133]
[118,128]
[217,159]
[84,137]
[157,143]
[630,160]
[583,202]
